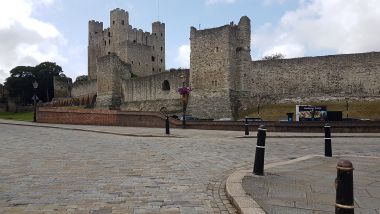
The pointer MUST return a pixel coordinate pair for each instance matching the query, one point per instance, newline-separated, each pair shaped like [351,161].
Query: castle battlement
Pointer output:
[120,38]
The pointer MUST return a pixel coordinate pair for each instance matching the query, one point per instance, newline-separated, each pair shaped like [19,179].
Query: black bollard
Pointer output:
[258,168]
[167,125]
[246,126]
[344,185]
[328,150]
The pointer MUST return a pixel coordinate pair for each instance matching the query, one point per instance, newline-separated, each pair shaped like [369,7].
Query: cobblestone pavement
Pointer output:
[308,187]
[44,170]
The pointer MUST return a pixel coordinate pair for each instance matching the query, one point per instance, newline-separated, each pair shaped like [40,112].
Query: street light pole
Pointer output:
[346,107]
[35,86]
[183,108]
[258,107]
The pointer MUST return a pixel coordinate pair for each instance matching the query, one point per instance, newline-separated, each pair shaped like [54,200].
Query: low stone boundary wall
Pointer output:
[156,119]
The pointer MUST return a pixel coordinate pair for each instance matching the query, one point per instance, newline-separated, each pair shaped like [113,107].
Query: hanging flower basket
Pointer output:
[184,90]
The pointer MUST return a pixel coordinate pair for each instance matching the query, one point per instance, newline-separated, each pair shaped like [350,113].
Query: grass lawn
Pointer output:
[24,116]
[356,109]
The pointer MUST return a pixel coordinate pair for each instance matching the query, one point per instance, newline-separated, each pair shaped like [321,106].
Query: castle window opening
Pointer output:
[113,22]
[166,85]
[152,69]
[159,70]
[96,32]
[161,60]
[134,41]
[161,34]
[109,41]
[105,43]
[109,34]
[162,49]
[216,49]
[153,58]
[132,62]
[109,52]
[122,22]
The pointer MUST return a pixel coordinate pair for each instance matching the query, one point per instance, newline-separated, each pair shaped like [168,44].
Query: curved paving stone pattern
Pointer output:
[308,186]
[44,170]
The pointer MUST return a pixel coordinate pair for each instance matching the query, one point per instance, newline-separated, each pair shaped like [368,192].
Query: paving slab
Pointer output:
[101,169]
[307,186]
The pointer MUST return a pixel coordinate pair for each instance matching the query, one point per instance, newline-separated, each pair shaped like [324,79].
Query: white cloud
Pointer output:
[318,26]
[25,39]
[270,2]
[183,58]
[210,2]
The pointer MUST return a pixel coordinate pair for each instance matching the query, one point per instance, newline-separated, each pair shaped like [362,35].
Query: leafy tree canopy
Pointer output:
[20,82]
[81,78]
[274,56]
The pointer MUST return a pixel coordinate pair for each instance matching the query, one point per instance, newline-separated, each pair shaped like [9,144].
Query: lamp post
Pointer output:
[35,86]
[346,107]
[258,107]
[184,91]
[183,108]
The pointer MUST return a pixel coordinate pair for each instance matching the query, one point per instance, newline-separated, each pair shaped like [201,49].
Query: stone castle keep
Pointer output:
[126,70]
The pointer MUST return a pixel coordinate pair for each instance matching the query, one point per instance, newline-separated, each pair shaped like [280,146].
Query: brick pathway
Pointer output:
[44,170]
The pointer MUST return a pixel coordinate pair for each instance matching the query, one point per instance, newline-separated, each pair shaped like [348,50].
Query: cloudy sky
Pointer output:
[33,31]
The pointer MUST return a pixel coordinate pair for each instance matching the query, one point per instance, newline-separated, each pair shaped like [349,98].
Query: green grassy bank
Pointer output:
[24,116]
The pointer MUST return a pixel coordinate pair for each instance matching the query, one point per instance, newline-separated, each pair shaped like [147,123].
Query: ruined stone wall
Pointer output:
[112,70]
[216,60]
[209,75]
[348,75]
[154,92]
[83,88]
[62,87]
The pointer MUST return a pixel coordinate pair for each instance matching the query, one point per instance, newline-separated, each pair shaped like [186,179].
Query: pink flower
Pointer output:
[184,90]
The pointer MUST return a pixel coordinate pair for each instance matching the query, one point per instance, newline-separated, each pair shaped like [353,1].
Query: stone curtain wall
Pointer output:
[111,72]
[148,93]
[210,72]
[61,87]
[84,88]
[349,75]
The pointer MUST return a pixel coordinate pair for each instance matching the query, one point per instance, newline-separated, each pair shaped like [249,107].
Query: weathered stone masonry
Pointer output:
[226,80]
[125,68]
[143,50]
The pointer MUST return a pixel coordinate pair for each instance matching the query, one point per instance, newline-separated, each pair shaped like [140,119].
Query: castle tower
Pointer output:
[158,34]
[145,51]
[216,59]
[95,37]
[118,32]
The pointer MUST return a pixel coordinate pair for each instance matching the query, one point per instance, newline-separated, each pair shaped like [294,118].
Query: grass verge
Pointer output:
[24,116]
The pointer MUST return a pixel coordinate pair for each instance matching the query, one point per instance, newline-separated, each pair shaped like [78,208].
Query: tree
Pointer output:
[19,84]
[81,78]
[44,74]
[274,56]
